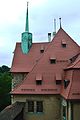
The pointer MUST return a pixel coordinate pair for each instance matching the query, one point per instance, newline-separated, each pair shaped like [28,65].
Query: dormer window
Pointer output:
[39,79]
[38,82]
[66,83]
[58,79]
[64,45]
[63,42]
[42,49]
[52,60]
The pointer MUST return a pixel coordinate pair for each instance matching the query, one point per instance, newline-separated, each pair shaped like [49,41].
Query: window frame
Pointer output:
[30,106]
[39,106]
[64,45]
[35,106]
[52,61]
[38,82]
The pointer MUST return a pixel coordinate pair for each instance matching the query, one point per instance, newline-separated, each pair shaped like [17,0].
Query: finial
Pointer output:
[54,32]
[60,22]
[27,4]
[27,21]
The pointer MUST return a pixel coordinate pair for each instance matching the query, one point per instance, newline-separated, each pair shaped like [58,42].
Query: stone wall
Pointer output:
[51,107]
[17,78]
[76,111]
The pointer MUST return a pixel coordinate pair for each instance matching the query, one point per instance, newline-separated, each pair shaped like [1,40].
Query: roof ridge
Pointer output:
[70,37]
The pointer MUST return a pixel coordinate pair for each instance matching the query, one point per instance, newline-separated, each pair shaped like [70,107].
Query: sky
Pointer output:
[41,16]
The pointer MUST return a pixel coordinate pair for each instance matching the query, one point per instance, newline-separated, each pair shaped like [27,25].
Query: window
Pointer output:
[38,79]
[58,79]
[66,83]
[58,82]
[35,106]
[38,82]
[64,45]
[39,105]
[42,49]
[52,60]
[30,106]
[64,112]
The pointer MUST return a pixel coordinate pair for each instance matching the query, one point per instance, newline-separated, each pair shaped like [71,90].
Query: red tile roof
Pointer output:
[38,77]
[75,64]
[44,67]
[58,77]
[72,92]
[25,63]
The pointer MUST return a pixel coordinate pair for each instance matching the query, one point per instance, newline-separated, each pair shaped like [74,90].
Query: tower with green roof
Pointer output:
[26,38]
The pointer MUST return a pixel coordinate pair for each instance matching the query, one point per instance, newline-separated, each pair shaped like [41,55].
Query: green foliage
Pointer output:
[4,68]
[5,86]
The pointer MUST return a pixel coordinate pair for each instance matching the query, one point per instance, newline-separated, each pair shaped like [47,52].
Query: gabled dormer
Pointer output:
[26,38]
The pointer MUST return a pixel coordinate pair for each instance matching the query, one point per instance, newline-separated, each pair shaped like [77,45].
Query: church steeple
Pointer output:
[27,21]
[26,39]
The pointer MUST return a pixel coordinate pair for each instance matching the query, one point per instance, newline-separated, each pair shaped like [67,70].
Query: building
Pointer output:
[46,77]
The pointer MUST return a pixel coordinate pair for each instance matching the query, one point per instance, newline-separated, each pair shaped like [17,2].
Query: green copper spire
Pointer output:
[26,38]
[27,22]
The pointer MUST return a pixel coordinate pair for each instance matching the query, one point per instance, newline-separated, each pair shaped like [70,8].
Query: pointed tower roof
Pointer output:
[27,21]
[26,37]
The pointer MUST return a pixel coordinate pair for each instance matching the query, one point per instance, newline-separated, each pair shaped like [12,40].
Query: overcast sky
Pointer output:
[41,15]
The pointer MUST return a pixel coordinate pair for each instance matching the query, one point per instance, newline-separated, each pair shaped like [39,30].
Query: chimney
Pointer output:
[49,37]
[54,33]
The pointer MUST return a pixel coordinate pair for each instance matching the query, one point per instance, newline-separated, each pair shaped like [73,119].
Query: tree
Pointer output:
[5,86]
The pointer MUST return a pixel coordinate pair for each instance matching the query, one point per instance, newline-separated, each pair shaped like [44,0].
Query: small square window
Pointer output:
[41,50]
[58,82]
[38,82]
[52,61]
[64,45]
